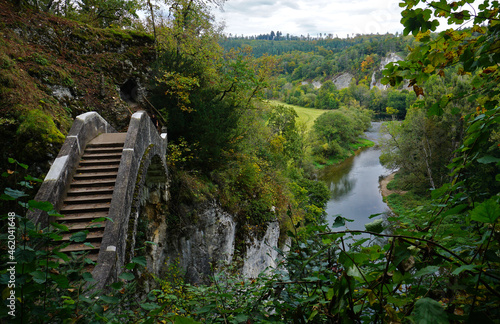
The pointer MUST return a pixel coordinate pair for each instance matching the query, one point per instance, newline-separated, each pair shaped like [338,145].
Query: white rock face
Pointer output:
[204,244]
[211,241]
[316,84]
[390,58]
[61,93]
[261,254]
[343,80]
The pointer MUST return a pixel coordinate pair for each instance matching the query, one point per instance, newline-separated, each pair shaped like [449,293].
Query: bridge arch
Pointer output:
[147,223]
[143,164]
[139,192]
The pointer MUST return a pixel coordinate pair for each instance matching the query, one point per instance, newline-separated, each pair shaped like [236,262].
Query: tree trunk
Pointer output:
[154,27]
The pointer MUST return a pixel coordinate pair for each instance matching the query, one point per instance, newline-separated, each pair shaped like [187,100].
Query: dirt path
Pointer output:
[383,186]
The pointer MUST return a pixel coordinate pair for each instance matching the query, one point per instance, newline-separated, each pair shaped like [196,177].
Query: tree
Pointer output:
[106,13]
[391,111]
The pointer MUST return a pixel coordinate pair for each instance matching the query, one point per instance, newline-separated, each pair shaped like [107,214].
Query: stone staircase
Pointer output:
[89,195]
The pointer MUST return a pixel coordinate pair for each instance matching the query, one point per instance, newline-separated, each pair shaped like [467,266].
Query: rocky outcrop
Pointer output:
[377,75]
[343,80]
[261,254]
[199,246]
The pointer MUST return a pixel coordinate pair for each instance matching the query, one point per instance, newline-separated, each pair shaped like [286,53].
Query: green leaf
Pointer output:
[26,184]
[436,193]
[149,306]
[377,226]
[61,280]
[117,285]
[110,300]
[42,205]
[30,178]
[6,197]
[87,276]
[62,256]
[488,159]
[435,110]
[11,160]
[313,314]
[458,270]
[14,193]
[79,236]
[101,219]
[85,299]
[426,271]
[62,227]
[25,256]
[186,320]
[141,260]
[429,311]
[486,212]
[339,222]
[39,276]
[375,215]
[455,210]
[126,276]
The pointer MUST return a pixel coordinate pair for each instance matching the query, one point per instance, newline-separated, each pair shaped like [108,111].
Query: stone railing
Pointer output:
[85,127]
[142,144]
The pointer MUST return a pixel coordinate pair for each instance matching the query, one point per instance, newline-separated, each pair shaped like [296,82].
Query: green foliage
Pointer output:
[95,12]
[428,310]
[53,287]
[336,132]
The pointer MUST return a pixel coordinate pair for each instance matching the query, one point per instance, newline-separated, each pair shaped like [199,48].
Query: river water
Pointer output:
[354,185]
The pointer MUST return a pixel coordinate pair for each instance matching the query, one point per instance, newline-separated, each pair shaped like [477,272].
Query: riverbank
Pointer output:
[355,149]
[383,182]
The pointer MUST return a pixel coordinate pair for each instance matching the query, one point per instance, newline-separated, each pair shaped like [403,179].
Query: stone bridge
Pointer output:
[110,188]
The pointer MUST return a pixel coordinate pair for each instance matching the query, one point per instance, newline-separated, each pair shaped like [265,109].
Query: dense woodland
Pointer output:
[435,261]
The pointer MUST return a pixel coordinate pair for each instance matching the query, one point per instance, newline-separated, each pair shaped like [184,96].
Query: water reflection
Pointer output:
[354,186]
[338,180]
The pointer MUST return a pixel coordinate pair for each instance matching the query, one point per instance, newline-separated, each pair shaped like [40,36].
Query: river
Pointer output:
[354,185]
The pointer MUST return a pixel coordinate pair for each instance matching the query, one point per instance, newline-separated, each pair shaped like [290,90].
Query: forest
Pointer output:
[235,137]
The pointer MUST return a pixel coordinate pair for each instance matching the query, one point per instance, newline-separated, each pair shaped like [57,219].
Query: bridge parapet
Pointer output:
[143,146]
[85,127]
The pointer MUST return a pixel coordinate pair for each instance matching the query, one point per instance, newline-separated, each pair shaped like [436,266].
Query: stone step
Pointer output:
[88,217]
[90,255]
[93,156]
[80,247]
[104,145]
[88,191]
[103,149]
[100,162]
[93,257]
[78,226]
[84,207]
[98,168]
[93,183]
[108,139]
[91,236]
[87,198]
[94,175]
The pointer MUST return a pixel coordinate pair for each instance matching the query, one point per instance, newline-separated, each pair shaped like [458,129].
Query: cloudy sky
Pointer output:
[302,17]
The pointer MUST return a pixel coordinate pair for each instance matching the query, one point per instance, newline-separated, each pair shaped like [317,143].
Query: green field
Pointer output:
[306,115]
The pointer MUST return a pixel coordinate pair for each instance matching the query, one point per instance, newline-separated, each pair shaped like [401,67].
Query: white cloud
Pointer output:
[301,17]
